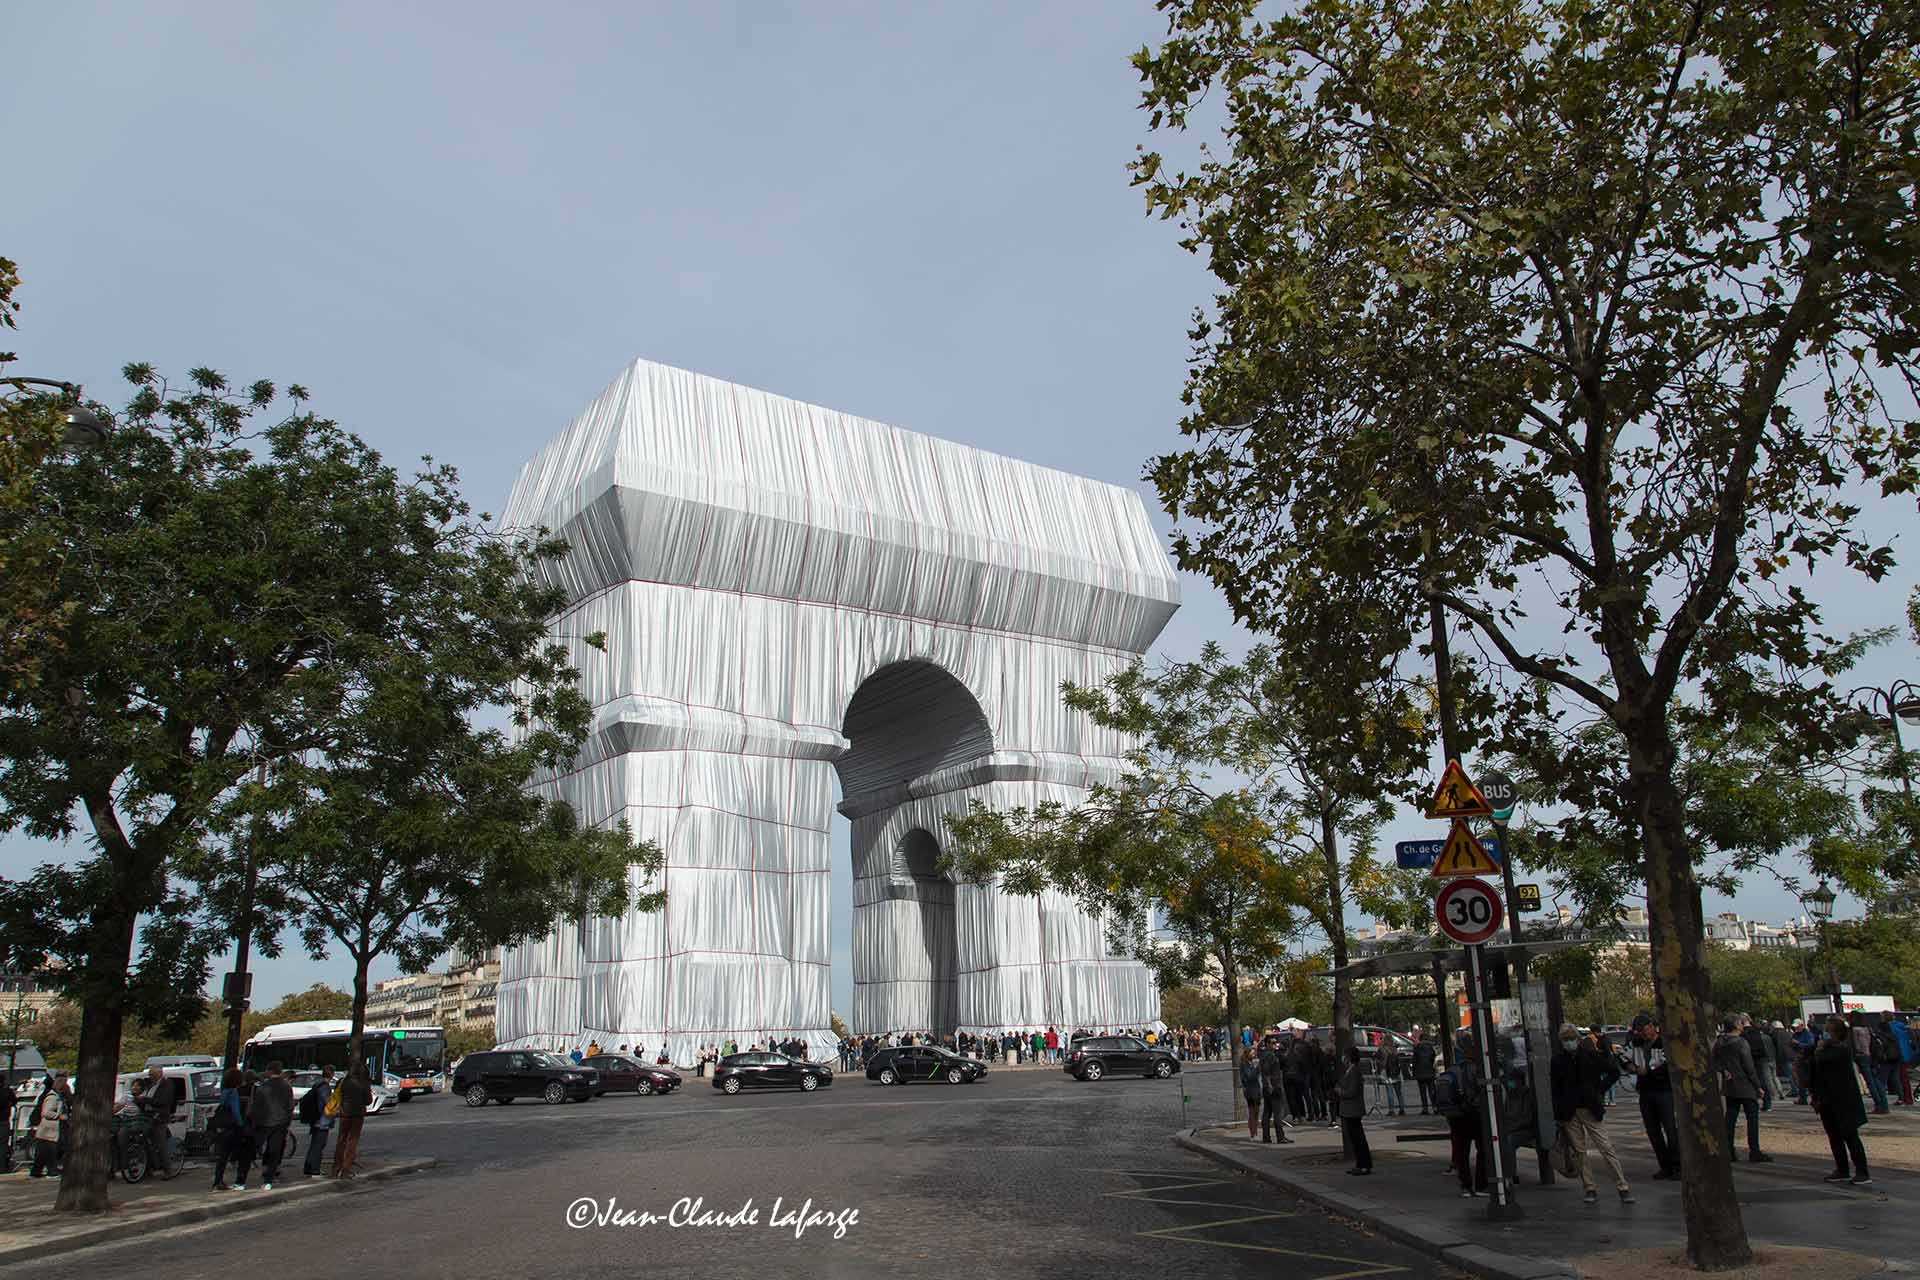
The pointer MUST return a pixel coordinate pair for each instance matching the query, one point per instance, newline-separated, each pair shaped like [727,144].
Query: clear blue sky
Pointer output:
[455,223]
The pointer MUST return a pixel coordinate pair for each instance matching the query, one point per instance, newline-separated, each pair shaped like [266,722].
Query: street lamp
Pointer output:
[1819,904]
[1898,701]
[82,427]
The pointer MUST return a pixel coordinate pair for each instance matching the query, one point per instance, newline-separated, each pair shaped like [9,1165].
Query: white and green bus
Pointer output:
[408,1060]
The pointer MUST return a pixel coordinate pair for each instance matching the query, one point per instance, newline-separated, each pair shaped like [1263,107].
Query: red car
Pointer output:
[620,1073]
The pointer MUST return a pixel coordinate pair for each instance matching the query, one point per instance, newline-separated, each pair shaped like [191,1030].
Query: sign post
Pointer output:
[1499,791]
[1469,911]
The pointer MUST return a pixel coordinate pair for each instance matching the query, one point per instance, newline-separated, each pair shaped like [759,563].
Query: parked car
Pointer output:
[183,1060]
[908,1064]
[739,1071]
[501,1075]
[1098,1056]
[623,1073]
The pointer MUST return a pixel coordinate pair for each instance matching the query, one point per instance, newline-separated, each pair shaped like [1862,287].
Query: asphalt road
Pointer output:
[1023,1171]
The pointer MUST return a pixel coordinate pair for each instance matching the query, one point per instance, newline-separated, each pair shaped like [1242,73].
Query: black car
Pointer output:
[623,1073]
[908,1064]
[1098,1056]
[739,1071]
[505,1074]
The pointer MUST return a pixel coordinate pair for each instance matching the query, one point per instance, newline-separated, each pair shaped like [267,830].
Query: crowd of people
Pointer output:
[254,1113]
[1835,1066]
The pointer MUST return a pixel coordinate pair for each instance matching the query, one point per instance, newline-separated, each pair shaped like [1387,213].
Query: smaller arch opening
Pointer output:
[918,855]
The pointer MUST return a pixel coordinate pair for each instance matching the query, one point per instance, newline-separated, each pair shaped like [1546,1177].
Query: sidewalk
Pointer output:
[29,1228]
[1411,1198]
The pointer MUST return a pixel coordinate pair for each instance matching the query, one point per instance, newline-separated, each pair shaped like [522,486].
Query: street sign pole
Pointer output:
[1502,1207]
[1513,902]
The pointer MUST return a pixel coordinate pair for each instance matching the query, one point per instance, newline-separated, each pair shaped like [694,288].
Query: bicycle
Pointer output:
[133,1154]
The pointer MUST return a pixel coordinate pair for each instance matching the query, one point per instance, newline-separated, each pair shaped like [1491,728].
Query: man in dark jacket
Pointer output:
[1423,1070]
[1273,1090]
[1581,1073]
[356,1094]
[1760,1044]
[1646,1056]
[270,1114]
[1740,1085]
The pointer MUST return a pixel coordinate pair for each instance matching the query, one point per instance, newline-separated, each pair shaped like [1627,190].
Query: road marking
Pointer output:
[1189,1232]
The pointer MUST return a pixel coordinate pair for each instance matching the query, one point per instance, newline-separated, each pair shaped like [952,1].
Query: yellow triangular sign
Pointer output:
[1457,797]
[1463,855]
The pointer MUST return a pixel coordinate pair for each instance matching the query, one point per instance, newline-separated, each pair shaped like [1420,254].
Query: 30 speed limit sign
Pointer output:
[1468,911]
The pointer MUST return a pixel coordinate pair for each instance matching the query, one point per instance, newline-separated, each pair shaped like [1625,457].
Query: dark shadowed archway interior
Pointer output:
[906,721]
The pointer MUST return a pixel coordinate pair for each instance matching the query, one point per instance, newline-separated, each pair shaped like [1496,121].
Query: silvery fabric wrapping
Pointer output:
[789,593]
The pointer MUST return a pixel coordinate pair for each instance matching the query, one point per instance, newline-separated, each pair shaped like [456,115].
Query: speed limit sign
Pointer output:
[1468,911]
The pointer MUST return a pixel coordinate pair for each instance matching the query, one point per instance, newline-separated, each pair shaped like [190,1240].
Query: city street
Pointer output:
[1028,1170]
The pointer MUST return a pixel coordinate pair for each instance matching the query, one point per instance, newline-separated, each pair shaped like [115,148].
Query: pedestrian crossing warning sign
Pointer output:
[1463,856]
[1457,797]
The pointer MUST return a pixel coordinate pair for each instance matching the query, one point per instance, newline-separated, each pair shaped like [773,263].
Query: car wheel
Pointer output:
[643,1088]
[730,1085]
[955,1075]
[1092,1071]
[887,1076]
[1163,1068]
[809,1083]
[405,1096]
[556,1093]
[477,1096]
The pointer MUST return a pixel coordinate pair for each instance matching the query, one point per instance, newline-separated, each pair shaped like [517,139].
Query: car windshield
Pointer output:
[550,1060]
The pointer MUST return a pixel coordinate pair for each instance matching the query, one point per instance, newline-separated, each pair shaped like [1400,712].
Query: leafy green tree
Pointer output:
[1876,955]
[1515,297]
[1192,1005]
[229,588]
[473,1037]
[1766,984]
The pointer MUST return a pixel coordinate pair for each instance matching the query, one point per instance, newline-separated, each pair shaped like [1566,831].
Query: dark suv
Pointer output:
[907,1064]
[505,1074]
[1098,1056]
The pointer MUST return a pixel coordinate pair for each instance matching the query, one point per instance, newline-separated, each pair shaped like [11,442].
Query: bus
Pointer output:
[408,1060]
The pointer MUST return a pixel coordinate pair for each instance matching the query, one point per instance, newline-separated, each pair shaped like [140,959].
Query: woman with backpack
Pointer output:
[232,1139]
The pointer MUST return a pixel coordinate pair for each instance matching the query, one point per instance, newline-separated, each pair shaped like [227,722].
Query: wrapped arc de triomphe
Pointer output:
[791,594]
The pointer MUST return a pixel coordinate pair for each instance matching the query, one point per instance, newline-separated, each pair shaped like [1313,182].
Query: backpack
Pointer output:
[1446,1093]
[1884,1049]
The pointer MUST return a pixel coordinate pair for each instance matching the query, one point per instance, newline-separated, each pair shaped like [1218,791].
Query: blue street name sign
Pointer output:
[1418,855]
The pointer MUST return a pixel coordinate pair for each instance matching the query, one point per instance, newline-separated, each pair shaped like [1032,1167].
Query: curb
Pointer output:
[1448,1244]
[186,1215]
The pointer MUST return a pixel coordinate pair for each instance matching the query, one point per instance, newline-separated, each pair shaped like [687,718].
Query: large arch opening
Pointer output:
[905,722]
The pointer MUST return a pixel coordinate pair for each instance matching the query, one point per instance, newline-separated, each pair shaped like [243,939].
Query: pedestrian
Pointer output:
[1456,1095]
[1804,1043]
[1836,1100]
[1903,1036]
[1273,1090]
[1351,1089]
[1782,1055]
[1740,1085]
[49,1115]
[1329,1074]
[1580,1075]
[317,1111]
[1250,1090]
[271,1112]
[229,1133]
[8,1101]
[1424,1070]
[1886,1057]
[1646,1056]
[1761,1046]
[1392,1069]
[355,1094]
[1863,1061]
[1294,1078]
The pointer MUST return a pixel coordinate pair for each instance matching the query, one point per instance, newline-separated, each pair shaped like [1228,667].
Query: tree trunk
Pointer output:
[1337,937]
[84,1177]
[1716,1235]
[361,963]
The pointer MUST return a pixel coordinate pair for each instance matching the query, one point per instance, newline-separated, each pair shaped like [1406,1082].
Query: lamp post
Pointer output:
[1898,701]
[1819,904]
[83,428]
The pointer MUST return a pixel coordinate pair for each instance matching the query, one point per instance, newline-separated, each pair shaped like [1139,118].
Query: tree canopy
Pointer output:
[1593,324]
